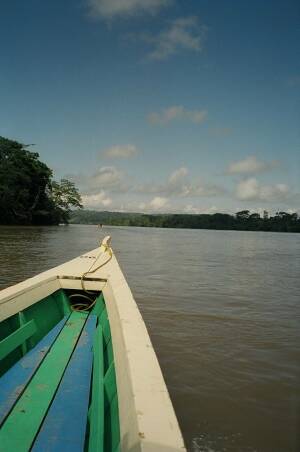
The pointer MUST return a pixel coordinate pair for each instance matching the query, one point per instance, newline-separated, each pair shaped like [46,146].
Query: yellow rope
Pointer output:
[82,306]
[110,251]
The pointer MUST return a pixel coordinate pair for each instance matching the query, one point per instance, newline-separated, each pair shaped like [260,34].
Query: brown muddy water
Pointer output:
[223,312]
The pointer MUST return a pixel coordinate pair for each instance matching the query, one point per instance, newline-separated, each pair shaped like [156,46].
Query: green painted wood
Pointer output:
[99,306]
[64,427]
[17,338]
[109,353]
[63,301]
[22,321]
[104,322]
[46,313]
[32,406]
[110,386]
[112,429]
[118,448]
[115,424]
[7,327]
[15,380]
[96,438]
[111,409]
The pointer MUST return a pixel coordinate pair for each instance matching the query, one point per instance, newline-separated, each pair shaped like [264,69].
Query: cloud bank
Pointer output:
[96,201]
[251,190]
[107,188]
[179,185]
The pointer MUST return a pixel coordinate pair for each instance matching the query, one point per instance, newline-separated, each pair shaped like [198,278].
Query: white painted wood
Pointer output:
[19,297]
[147,419]
[24,294]
[76,284]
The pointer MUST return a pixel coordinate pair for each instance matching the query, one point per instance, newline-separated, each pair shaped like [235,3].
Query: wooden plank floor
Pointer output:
[62,395]
[14,381]
[22,425]
[66,420]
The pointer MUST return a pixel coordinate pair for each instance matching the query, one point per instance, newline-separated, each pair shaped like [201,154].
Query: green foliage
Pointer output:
[244,220]
[27,193]
[243,215]
[65,196]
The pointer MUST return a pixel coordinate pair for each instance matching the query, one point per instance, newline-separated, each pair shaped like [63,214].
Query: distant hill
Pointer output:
[244,220]
[95,217]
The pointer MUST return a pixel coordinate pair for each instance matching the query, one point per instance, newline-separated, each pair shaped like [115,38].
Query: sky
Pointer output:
[158,105]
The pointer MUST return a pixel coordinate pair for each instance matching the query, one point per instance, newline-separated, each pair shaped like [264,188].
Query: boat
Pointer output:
[78,371]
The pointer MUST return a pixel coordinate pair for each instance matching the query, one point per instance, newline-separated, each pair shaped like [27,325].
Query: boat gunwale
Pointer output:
[142,393]
[147,418]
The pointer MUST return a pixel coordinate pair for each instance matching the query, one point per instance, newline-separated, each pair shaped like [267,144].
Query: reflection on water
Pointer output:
[223,312]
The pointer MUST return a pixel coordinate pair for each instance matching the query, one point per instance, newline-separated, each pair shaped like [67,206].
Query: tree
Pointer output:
[23,182]
[243,215]
[65,196]
[290,223]
[26,188]
[254,216]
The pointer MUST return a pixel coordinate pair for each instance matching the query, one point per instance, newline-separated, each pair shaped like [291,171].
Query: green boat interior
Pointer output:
[57,376]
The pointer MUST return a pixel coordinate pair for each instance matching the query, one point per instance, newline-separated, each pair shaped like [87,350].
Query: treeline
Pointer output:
[242,221]
[28,193]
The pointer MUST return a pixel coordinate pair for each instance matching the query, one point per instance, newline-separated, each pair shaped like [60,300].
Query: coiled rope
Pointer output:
[84,306]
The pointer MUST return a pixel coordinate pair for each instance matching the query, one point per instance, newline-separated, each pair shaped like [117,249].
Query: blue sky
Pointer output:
[158,105]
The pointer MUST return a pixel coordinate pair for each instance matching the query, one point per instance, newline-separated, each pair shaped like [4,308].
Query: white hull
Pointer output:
[147,419]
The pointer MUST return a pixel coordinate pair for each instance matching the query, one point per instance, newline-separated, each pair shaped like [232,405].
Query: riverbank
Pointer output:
[241,221]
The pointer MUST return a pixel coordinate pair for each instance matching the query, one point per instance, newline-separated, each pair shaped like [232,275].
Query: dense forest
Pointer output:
[28,194]
[243,220]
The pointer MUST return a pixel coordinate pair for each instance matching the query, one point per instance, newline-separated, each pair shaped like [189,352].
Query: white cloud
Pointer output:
[123,152]
[251,165]
[158,203]
[178,184]
[247,189]
[96,200]
[106,177]
[204,190]
[173,186]
[191,209]
[182,34]
[119,203]
[251,190]
[109,9]
[178,175]
[177,112]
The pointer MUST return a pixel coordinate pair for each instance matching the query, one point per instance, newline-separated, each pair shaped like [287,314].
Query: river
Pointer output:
[223,312]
